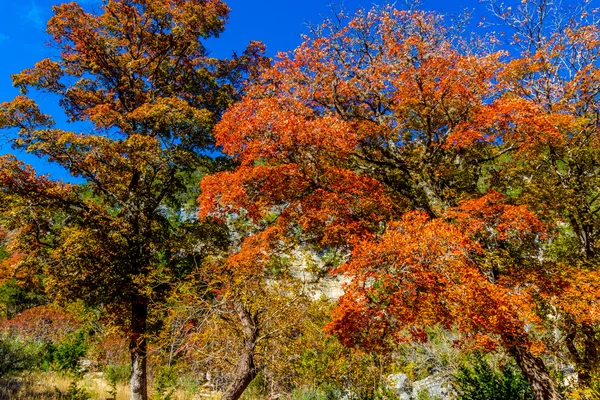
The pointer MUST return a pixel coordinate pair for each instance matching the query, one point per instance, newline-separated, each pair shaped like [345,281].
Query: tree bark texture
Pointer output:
[537,375]
[137,348]
[586,356]
[245,370]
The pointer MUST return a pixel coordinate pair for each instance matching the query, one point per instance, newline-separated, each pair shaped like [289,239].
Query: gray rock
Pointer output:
[401,386]
[570,376]
[84,365]
[434,386]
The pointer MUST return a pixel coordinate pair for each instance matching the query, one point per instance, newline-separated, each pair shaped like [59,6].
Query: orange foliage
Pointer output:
[374,136]
[42,323]
[420,273]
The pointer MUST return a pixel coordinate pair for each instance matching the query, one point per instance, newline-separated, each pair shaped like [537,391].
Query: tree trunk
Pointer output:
[590,356]
[535,371]
[245,370]
[137,348]
[586,356]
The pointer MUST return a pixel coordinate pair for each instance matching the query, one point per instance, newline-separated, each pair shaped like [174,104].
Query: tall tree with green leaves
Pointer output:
[138,77]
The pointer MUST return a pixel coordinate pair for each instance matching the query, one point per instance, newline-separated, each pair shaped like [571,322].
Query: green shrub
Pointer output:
[309,394]
[17,355]
[480,381]
[65,356]
[116,373]
[165,382]
[73,393]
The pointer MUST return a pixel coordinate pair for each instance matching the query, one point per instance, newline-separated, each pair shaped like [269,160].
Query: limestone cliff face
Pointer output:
[314,273]
[328,286]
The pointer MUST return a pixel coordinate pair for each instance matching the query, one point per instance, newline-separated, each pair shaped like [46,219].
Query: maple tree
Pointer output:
[558,71]
[139,79]
[427,158]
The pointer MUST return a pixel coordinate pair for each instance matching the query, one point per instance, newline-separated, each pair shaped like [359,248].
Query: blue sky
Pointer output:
[278,23]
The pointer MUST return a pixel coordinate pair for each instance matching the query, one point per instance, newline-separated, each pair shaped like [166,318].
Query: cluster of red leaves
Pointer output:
[490,215]
[422,272]
[110,349]
[41,324]
[512,121]
[386,91]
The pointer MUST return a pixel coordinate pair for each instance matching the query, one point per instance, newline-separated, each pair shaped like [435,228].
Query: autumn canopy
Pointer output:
[454,181]
[428,160]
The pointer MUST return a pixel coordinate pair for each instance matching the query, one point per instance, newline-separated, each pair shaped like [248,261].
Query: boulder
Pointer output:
[400,385]
[434,386]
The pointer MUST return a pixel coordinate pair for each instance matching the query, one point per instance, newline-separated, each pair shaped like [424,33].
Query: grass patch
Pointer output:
[51,385]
